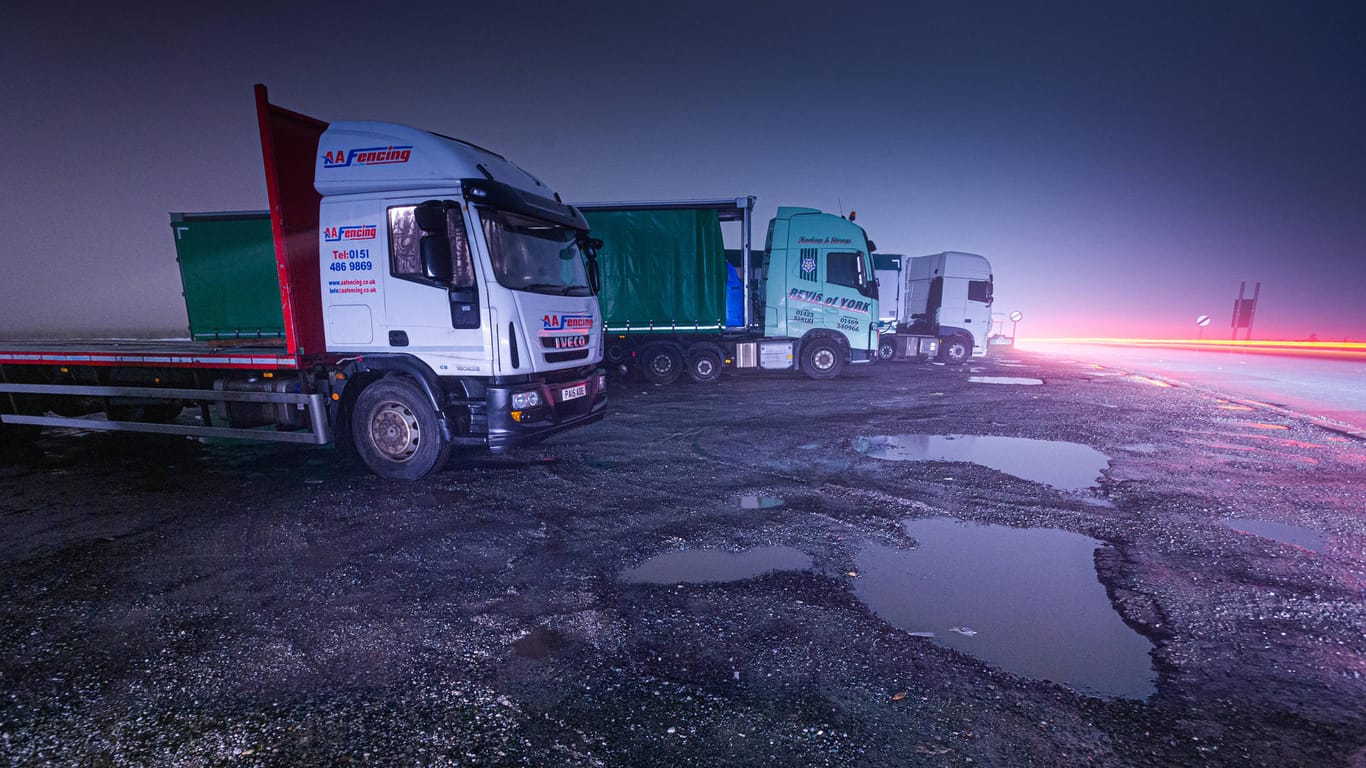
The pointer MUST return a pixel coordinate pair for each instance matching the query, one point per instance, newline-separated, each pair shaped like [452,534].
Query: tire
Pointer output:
[955,350]
[395,431]
[616,354]
[822,359]
[886,349]
[661,365]
[704,366]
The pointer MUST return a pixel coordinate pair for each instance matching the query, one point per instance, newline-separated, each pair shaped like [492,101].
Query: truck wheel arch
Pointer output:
[376,368]
[661,362]
[704,362]
[395,432]
[822,355]
[955,347]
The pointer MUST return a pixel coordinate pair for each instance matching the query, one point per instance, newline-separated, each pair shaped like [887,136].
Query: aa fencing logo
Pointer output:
[340,234]
[567,323]
[390,155]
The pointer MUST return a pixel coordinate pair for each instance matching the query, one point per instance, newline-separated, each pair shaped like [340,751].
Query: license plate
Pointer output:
[570,393]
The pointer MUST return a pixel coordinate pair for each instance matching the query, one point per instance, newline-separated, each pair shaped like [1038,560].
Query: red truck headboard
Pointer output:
[289,147]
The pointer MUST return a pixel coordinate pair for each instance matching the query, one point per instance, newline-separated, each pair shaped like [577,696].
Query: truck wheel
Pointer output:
[704,367]
[822,359]
[661,365]
[396,432]
[886,350]
[955,350]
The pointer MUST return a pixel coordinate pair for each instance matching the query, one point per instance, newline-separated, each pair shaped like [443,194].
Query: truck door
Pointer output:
[847,308]
[953,307]
[432,301]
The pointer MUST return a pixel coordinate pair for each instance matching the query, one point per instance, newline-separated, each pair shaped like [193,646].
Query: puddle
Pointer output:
[1294,535]
[1027,601]
[539,643]
[1003,380]
[708,566]
[751,501]
[1069,466]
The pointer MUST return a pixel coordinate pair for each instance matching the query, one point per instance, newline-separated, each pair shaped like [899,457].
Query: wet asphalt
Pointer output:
[707,577]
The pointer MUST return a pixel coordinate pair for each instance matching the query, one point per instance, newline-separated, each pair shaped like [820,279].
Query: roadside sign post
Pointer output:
[1244,309]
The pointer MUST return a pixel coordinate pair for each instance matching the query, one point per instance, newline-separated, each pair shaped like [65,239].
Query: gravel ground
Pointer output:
[168,602]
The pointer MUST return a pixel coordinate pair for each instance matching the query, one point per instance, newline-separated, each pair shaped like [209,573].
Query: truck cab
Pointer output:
[819,281]
[451,254]
[934,306]
[448,263]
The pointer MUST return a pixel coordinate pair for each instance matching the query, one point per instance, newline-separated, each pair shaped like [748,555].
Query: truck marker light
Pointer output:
[336,396]
[268,375]
[517,416]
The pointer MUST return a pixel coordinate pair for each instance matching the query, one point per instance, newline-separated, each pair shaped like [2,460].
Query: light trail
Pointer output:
[1335,350]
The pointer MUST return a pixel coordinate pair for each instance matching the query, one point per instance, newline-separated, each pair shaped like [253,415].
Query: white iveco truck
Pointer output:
[417,293]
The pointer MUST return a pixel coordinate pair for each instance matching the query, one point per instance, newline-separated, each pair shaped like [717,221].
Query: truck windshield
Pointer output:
[533,255]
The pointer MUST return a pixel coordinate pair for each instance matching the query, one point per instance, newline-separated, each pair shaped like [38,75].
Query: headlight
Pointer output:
[523,400]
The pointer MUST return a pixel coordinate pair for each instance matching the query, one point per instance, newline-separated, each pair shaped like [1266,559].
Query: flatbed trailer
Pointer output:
[418,293]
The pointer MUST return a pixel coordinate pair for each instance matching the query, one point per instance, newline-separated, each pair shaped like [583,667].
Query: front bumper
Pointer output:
[561,407]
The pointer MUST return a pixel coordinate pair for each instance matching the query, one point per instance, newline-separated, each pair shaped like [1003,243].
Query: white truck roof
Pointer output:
[955,263]
[360,156]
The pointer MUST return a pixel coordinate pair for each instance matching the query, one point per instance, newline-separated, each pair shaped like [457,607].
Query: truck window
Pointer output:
[533,255]
[405,251]
[979,290]
[844,268]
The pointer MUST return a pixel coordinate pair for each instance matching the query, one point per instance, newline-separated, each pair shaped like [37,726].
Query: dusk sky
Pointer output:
[1123,165]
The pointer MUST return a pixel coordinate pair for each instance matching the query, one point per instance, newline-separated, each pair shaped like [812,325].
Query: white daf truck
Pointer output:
[934,306]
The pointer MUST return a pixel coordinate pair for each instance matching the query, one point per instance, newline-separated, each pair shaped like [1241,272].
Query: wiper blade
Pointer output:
[563,290]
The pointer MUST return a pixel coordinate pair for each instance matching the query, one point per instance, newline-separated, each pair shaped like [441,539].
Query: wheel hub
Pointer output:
[394,431]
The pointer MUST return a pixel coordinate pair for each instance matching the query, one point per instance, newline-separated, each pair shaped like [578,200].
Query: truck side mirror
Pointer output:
[434,248]
[430,217]
[590,247]
[594,282]
[436,256]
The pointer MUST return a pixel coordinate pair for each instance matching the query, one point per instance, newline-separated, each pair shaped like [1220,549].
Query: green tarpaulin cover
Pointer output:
[662,267]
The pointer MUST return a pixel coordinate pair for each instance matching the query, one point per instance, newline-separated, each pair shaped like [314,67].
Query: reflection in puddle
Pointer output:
[702,566]
[1003,380]
[1069,466]
[1025,600]
[1294,535]
[752,501]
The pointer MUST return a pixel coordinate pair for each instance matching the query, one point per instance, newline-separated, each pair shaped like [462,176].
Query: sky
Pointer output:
[1124,166]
